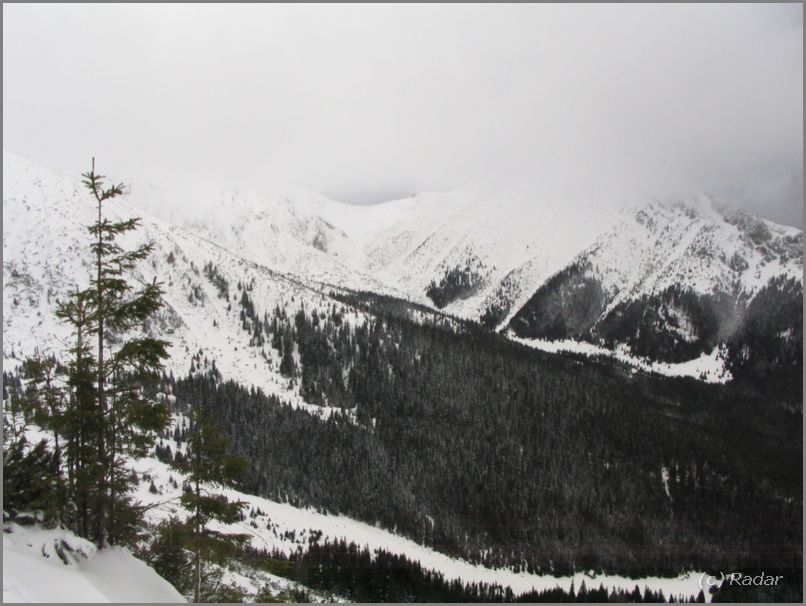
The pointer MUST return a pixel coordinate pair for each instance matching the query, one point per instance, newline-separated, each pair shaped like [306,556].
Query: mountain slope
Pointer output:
[297,232]
[664,280]
[281,527]
[670,282]
[46,256]
[399,247]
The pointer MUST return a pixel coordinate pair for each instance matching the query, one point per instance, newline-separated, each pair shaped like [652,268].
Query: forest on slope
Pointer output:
[488,450]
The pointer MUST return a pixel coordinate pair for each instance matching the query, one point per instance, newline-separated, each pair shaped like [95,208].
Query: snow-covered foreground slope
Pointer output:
[53,565]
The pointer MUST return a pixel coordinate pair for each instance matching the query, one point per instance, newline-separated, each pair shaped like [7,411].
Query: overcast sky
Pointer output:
[368,103]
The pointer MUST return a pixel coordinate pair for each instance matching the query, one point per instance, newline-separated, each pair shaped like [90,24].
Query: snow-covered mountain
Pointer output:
[298,231]
[664,280]
[667,281]
[399,247]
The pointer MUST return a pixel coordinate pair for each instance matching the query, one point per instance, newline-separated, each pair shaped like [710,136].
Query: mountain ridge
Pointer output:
[532,267]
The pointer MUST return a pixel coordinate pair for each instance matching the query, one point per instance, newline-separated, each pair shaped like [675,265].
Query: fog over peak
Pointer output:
[370,103]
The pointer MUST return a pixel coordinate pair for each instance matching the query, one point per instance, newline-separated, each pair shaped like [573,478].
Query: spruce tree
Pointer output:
[32,482]
[18,412]
[46,391]
[209,462]
[129,421]
[37,471]
[287,365]
[101,412]
[169,556]
[82,419]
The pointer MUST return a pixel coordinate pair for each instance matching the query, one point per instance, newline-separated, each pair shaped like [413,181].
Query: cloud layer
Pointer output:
[371,102]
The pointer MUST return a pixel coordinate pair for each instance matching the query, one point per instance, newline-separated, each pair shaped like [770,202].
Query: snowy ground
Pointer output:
[54,565]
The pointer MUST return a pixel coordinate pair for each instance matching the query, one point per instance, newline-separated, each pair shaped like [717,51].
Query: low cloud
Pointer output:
[365,102]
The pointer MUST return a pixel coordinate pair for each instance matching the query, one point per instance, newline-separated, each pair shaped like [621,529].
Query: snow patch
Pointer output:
[708,367]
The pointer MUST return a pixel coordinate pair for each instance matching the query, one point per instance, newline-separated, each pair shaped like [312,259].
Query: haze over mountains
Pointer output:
[666,280]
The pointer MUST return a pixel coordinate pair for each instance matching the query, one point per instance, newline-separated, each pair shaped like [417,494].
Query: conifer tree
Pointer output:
[45,389]
[287,364]
[210,462]
[169,556]
[18,412]
[82,422]
[32,482]
[100,412]
[129,421]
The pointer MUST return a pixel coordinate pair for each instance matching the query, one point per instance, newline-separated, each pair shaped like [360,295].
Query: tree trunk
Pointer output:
[197,589]
[54,409]
[80,463]
[100,507]
[112,446]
